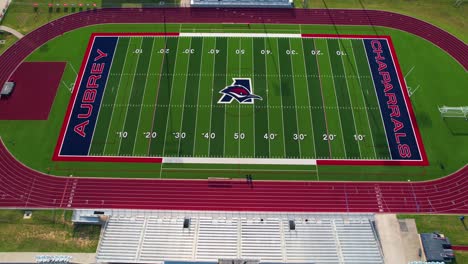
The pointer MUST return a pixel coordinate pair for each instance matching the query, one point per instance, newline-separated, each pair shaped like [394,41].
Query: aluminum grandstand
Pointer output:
[243,3]
[157,236]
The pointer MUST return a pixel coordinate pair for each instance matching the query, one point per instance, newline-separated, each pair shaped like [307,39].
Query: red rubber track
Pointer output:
[460,248]
[17,53]
[21,187]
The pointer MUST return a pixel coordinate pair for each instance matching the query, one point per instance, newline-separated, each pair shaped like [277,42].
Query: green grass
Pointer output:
[46,231]
[445,155]
[461,257]
[449,225]
[9,39]
[441,13]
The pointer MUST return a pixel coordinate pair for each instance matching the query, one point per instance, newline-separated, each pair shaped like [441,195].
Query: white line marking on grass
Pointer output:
[253,74]
[211,106]
[238,105]
[308,100]
[409,72]
[350,98]
[155,105]
[143,98]
[170,99]
[73,68]
[267,105]
[281,92]
[376,96]
[130,96]
[295,101]
[70,89]
[198,100]
[364,100]
[183,100]
[225,107]
[336,98]
[115,99]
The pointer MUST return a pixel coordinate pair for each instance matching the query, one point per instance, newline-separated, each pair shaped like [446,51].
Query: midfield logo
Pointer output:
[241,90]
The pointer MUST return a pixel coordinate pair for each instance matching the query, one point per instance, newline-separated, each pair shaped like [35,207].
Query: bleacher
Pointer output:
[267,237]
[242,3]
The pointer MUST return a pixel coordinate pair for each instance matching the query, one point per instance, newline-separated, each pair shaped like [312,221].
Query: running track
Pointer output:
[22,187]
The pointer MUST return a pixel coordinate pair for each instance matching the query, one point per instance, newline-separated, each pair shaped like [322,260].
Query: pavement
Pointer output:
[30,257]
[11,30]
[400,242]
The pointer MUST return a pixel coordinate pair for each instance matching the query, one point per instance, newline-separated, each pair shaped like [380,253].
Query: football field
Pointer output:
[199,97]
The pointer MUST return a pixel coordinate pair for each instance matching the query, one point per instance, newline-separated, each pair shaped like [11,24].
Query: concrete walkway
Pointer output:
[12,31]
[30,257]
[398,246]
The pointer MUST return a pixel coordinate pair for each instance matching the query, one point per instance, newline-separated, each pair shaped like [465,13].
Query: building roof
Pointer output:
[436,247]
[7,88]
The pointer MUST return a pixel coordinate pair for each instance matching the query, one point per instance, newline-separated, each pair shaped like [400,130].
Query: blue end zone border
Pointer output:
[82,120]
[401,136]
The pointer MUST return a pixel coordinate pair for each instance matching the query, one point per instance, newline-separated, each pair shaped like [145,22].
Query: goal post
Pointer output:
[454,112]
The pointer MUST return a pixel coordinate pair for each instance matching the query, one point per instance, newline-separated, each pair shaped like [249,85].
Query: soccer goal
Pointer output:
[455,112]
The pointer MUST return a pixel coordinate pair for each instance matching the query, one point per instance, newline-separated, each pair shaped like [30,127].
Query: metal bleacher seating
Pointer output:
[266,237]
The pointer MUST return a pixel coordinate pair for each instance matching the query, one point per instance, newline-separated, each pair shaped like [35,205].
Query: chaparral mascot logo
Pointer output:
[241,90]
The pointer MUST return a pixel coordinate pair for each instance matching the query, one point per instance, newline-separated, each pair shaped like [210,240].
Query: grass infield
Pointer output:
[46,231]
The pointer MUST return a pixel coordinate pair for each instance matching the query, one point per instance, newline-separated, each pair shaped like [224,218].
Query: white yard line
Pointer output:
[268,99]
[238,105]
[336,99]
[295,101]
[281,92]
[308,100]
[130,96]
[350,98]
[225,106]
[198,100]
[115,99]
[170,99]
[183,100]
[364,100]
[143,98]
[211,105]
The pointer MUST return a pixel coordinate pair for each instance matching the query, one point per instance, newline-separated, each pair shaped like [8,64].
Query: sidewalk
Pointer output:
[11,30]
[30,257]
